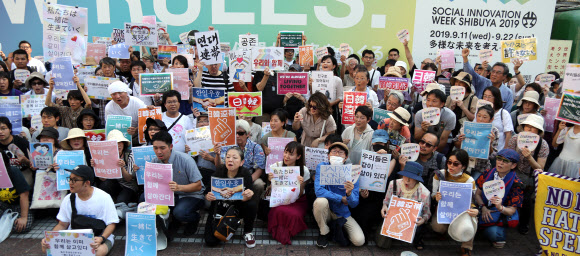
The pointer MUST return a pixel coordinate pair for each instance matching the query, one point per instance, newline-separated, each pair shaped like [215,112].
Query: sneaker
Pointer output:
[465,252]
[499,244]
[322,241]
[250,240]
[191,228]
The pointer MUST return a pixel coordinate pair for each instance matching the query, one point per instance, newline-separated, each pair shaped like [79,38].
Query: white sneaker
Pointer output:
[250,240]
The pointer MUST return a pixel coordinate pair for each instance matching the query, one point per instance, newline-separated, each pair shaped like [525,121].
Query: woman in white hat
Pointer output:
[77,140]
[123,190]
[567,162]
[530,160]
[529,105]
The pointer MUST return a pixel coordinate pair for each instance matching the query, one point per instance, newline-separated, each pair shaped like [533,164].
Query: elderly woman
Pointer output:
[397,124]
[464,109]
[348,65]
[358,136]
[315,120]
[362,77]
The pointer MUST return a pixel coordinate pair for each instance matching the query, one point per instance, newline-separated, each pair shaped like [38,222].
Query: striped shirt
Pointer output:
[221,81]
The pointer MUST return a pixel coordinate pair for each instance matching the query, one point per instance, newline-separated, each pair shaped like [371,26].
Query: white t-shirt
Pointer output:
[99,206]
[34,63]
[374,77]
[131,110]
[503,126]
[178,130]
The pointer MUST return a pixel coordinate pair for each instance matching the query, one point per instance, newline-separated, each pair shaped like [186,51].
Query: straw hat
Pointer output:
[429,87]
[393,71]
[535,121]
[118,136]
[401,115]
[531,96]
[72,133]
[463,77]
[463,227]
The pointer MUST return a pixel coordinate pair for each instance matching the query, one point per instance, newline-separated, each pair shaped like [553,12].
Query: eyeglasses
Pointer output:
[313,107]
[37,83]
[503,159]
[488,97]
[24,47]
[427,144]
[338,152]
[392,104]
[154,129]
[456,164]
[69,180]
[241,133]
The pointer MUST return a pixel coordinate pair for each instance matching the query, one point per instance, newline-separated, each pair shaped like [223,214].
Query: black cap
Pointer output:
[153,122]
[84,172]
[49,132]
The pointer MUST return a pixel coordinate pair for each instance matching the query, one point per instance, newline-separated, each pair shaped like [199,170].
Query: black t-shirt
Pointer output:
[270,98]
[19,185]
[20,147]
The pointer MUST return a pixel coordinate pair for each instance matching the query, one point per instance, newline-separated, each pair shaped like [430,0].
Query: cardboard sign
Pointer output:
[65,30]
[306,55]
[70,242]
[421,78]
[208,47]
[266,128]
[157,178]
[400,222]
[321,83]
[375,171]
[321,52]
[119,51]
[523,49]
[41,155]
[315,156]
[198,139]
[551,107]
[96,52]
[143,114]
[180,81]
[142,155]
[222,123]
[571,78]
[293,82]
[344,50]
[393,83]
[96,135]
[141,34]
[285,185]
[351,101]
[569,108]
[105,154]
[411,151]
[32,104]
[202,98]
[222,188]
[5,181]
[455,199]
[558,56]
[403,35]
[118,36]
[335,174]
[165,51]
[141,239]
[246,103]
[67,160]
[21,74]
[240,66]
[528,140]
[485,55]
[247,41]
[153,83]
[62,72]
[271,57]
[476,141]
[380,114]
[276,146]
[447,58]
[291,39]
[431,115]
[121,123]
[457,92]
[494,188]
[11,109]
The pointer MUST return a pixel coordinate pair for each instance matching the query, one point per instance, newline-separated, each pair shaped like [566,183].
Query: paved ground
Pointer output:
[302,244]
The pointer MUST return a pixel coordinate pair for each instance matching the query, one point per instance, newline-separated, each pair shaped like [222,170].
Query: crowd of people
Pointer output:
[344,213]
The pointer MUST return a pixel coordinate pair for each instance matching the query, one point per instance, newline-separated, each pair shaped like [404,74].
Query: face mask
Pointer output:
[457,175]
[336,160]
[378,147]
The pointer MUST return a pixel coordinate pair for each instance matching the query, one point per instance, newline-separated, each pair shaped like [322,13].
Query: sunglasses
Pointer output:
[37,83]
[503,159]
[427,144]
[241,133]
[456,164]
[313,107]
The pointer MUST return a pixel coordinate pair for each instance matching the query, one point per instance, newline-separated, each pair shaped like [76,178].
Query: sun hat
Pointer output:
[401,64]
[117,135]
[49,132]
[431,86]
[401,115]
[380,135]
[413,170]
[531,96]
[34,75]
[393,71]
[463,227]
[535,121]
[118,86]
[463,77]
[509,154]
[340,145]
[72,133]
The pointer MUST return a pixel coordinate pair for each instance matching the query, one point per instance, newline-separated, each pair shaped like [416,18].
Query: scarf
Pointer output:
[408,193]
[508,179]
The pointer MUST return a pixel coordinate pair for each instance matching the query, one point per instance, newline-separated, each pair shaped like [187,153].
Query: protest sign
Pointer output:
[65,32]
[141,239]
[21,75]
[95,52]
[411,151]
[558,56]
[551,107]
[321,83]
[151,19]
[143,114]
[421,78]
[335,174]
[62,73]
[165,51]
[291,39]
[522,117]
[208,47]
[97,87]
[315,156]
[571,78]
[271,57]
[455,199]
[184,49]
[293,82]
[355,172]
[306,55]
[393,83]
[266,128]
[118,36]
[153,83]
[457,92]
[528,140]
[105,155]
[321,52]
[202,97]
[344,50]
[96,135]
[36,122]
[375,171]
[351,101]
[199,139]
[32,104]
[546,80]
[485,55]
[403,35]
[161,30]
[142,155]
[246,41]
[476,141]
[400,222]
[102,40]
[240,67]
[494,188]
[180,81]
[523,49]
[85,71]
[121,123]
[285,186]
[119,51]
[141,34]
[41,155]
[380,114]
[67,160]
[157,178]
[5,181]
[221,187]
[276,146]
[431,115]
[569,108]
[222,123]
[246,103]
[146,208]
[555,214]
[447,58]
[70,242]
[11,109]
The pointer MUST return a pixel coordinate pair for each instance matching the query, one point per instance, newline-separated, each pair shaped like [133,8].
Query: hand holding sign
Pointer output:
[494,188]
[457,92]
[403,35]
[411,151]
[431,115]
[528,140]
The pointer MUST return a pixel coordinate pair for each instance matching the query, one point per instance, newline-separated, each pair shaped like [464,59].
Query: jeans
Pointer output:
[186,209]
[494,233]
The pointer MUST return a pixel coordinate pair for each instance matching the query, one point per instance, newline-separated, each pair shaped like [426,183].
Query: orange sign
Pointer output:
[222,123]
[306,54]
[145,113]
[401,219]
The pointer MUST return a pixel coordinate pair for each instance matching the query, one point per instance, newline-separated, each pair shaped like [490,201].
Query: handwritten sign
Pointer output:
[67,160]
[277,146]
[141,239]
[375,171]
[485,55]
[11,109]
[571,78]
[208,47]
[344,50]
[246,103]
[198,139]
[21,75]
[335,174]
[457,92]
[411,151]
[393,83]
[96,135]
[105,155]
[157,178]
[221,187]
[119,51]
[558,56]
[494,188]
[321,52]
[293,82]
[271,57]
[143,114]
[285,185]
[240,66]
[546,80]
[524,49]
[246,41]
[431,115]
[315,156]
[321,83]
[121,123]
[222,123]
[306,55]
[32,104]
[403,35]
[153,83]
[290,39]
[551,107]
[41,154]
[5,181]
[141,34]
[62,72]
[95,52]
[65,30]
[447,58]
[528,140]
[97,87]
[351,101]
[400,222]
[180,81]
[455,199]
[476,141]
[141,156]
[165,51]
[161,30]
[421,78]
[118,36]
[70,242]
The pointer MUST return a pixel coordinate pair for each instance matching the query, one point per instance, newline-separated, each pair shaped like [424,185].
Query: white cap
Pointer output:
[119,86]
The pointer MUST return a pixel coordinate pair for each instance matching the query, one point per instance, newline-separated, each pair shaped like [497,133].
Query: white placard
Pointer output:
[431,115]
[411,151]
[457,93]
[528,140]
[494,188]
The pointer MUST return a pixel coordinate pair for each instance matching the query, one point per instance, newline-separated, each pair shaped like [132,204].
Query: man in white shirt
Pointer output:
[125,105]
[32,62]
[90,202]
[176,122]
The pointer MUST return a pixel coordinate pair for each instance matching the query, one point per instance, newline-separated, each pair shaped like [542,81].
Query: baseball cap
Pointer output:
[84,172]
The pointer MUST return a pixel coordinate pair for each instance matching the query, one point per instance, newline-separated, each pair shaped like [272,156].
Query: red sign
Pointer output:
[421,78]
[393,83]
[351,101]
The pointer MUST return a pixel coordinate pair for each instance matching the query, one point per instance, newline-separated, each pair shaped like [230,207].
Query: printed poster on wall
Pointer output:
[271,57]
[400,222]
[222,123]
[455,199]
[246,103]
[41,154]
[141,34]
[157,178]
[375,171]
[143,114]
[558,56]
[65,32]
[351,101]
[105,154]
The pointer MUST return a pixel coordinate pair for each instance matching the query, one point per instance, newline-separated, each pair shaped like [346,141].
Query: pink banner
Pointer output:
[180,81]
[351,101]
[157,178]
[105,154]
[97,51]
[551,106]
[276,146]
[421,78]
[292,82]
[447,59]
[5,181]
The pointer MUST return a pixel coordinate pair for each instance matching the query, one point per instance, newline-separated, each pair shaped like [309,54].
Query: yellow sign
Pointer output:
[524,49]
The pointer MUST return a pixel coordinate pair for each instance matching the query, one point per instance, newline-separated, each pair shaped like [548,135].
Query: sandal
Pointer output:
[419,245]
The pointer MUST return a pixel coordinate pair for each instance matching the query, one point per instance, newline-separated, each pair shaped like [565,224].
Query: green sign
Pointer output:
[290,39]
[380,114]
[569,108]
[154,83]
